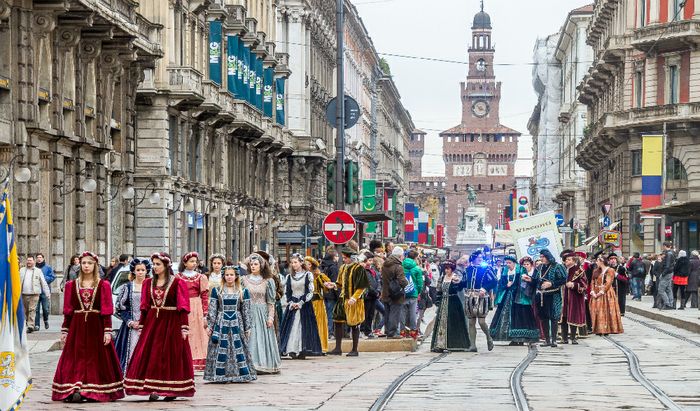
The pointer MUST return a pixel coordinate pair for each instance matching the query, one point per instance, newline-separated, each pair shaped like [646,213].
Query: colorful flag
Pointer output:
[15,372]
[369,201]
[408,221]
[416,226]
[652,170]
[215,51]
[423,218]
[389,200]
[440,233]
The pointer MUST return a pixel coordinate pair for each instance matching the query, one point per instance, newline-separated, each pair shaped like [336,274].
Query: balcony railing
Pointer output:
[666,37]
[186,83]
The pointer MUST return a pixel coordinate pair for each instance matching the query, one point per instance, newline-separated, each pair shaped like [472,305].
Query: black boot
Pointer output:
[683,303]
[338,331]
[564,333]
[555,330]
[572,333]
[355,341]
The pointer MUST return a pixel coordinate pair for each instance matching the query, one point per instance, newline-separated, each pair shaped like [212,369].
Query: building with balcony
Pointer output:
[643,80]
[69,72]
[574,56]
[212,143]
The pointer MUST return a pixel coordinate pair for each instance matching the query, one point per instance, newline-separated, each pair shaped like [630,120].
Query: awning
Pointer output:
[371,217]
[676,209]
[502,237]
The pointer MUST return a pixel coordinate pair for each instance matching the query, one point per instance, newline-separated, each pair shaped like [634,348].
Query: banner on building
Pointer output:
[440,234]
[232,65]
[416,227]
[652,170]
[535,233]
[259,83]
[409,221]
[15,372]
[369,201]
[423,219]
[215,51]
[279,101]
[252,78]
[245,73]
[268,98]
[389,203]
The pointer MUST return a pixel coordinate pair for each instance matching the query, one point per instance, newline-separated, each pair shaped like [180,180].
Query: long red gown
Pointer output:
[162,360]
[87,365]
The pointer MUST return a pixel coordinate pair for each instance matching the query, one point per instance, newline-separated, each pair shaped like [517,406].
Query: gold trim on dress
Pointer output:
[80,389]
[191,380]
[88,385]
[89,309]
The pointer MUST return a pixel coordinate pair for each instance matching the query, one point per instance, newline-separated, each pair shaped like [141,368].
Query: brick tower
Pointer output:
[480,153]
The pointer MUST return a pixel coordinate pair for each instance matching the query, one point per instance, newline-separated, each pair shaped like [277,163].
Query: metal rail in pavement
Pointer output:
[516,379]
[636,373]
[661,330]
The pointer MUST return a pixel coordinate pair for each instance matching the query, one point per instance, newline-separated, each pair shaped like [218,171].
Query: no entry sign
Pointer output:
[339,227]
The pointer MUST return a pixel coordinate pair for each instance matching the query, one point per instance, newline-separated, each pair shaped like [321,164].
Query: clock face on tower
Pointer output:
[480,108]
[481,65]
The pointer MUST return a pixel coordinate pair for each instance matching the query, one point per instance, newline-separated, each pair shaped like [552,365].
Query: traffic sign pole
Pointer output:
[340,109]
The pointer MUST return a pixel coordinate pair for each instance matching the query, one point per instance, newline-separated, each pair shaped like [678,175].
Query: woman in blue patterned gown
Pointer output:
[229,327]
[128,309]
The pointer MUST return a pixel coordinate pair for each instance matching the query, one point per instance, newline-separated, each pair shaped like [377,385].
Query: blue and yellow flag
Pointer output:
[15,373]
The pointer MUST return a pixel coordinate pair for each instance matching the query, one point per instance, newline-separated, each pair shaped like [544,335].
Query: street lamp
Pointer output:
[89,185]
[128,193]
[240,215]
[23,174]
[189,205]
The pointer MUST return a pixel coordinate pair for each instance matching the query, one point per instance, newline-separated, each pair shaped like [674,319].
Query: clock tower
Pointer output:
[479,153]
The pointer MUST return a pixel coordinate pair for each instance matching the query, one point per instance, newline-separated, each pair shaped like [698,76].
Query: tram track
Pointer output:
[516,379]
[636,372]
[389,393]
[661,330]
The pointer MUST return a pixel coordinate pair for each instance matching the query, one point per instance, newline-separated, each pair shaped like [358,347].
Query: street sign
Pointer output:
[606,221]
[566,229]
[610,237]
[352,112]
[339,227]
[306,230]
[560,220]
[606,208]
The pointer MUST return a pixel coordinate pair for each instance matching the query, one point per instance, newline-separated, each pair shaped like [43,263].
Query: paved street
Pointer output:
[595,375]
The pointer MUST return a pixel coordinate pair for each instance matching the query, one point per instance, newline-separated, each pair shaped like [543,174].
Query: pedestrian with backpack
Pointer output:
[393,295]
[414,276]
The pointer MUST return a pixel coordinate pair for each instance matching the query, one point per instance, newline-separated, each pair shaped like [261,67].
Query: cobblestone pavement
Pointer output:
[594,375]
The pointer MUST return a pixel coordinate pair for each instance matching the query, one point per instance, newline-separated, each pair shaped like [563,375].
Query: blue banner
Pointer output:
[232,65]
[215,51]
[268,79]
[245,58]
[259,83]
[279,101]
[252,64]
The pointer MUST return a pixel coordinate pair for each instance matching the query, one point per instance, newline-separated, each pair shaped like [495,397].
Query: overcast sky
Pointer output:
[441,29]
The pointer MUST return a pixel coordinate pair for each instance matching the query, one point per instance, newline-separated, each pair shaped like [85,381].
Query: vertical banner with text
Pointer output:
[232,65]
[279,101]
[215,51]
[369,202]
[268,92]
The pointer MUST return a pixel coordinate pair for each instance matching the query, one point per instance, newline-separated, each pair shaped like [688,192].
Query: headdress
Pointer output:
[264,255]
[257,257]
[138,261]
[235,268]
[314,262]
[510,258]
[476,254]
[219,256]
[162,257]
[548,255]
[526,259]
[450,263]
[347,249]
[567,253]
[189,255]
[90,254]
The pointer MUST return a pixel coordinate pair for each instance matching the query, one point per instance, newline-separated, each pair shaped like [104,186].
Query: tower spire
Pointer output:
[482,5]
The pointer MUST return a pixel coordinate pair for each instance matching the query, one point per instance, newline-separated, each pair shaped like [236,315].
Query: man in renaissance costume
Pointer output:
[478,281]
[350,308]
[551,276]
[574,311]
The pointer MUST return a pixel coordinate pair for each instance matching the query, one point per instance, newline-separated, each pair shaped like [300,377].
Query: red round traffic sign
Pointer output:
[339,227]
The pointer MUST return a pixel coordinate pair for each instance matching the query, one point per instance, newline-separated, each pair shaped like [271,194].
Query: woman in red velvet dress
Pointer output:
[88,368]
[162,361]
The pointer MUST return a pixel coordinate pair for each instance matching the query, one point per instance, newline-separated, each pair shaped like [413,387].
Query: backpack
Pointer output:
[395,290]
[411,287]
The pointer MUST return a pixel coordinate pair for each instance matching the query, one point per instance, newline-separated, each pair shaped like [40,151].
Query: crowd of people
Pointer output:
[233,322]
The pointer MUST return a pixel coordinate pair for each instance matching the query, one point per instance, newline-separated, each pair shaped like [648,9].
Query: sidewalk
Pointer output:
[46,340]
[688,319]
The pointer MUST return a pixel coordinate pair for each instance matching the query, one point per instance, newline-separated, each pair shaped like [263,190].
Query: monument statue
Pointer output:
[471,196]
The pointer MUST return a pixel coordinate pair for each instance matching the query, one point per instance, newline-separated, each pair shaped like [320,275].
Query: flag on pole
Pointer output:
[369,202]
[15,373]
[389,209]
[409,221]
[652,170]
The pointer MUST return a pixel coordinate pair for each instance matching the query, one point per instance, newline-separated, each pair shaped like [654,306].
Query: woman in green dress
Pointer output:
[450,332]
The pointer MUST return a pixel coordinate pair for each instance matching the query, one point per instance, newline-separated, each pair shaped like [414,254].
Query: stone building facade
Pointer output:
[220,165]
[643,81]
[69,73]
